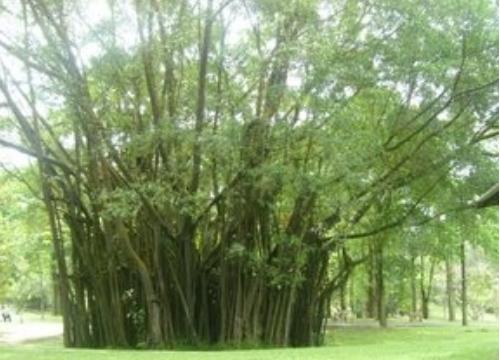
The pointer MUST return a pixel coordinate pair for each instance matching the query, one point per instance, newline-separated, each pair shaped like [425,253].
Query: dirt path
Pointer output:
[17,332]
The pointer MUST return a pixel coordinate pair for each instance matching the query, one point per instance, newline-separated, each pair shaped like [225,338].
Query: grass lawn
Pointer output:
[448,342]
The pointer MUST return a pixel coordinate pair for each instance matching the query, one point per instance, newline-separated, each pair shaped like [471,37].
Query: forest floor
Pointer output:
[437,341]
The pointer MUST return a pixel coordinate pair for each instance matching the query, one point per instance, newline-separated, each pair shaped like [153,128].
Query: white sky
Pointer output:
[13,158]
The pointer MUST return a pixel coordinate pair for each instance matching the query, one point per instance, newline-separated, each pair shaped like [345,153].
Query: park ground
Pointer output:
[361,340]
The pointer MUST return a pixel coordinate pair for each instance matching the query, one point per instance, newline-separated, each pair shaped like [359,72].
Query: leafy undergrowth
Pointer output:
[450,342]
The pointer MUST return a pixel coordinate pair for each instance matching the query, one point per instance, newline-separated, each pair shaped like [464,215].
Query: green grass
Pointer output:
[38,316]
[449,342]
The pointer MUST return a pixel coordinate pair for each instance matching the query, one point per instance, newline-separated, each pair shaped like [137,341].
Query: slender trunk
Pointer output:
[464,283]
[379,261]
[371,309]
[425,289]
[64,287]
[56,297]
[413,275]
[200,103]
[425,307]
[189,227]
[450,290]
[152,302]
[343,302]
[42,292]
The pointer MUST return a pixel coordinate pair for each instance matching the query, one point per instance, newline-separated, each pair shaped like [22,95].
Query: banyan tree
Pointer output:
[203,164]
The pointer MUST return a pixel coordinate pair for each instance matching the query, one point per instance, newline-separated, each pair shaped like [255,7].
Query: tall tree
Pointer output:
[198,176]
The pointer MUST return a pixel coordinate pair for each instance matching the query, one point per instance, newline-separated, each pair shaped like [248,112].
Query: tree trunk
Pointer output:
[343,302]
[371,302]
[155,337]
[425,289]
[56,296]
[379,261]
[450,290]
[464,283]
[425,307]
[413,284]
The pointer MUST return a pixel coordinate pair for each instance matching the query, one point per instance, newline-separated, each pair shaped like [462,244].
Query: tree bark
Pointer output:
[56,296]
[413,285]
[425,308]
[381,304]
[464,283]
[343,302]
[152,301]
[371,303]
[450,290]
[426,289]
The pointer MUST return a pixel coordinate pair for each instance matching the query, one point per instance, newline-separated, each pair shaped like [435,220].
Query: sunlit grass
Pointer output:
[443,342]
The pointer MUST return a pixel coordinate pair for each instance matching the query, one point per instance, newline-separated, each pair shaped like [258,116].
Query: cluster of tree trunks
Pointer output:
[421,276]
[227,273]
